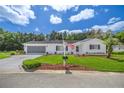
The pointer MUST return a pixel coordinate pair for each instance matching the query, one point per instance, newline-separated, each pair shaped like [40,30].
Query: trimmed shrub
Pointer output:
[30,64]
[118,53]
[12,53]
[19,52]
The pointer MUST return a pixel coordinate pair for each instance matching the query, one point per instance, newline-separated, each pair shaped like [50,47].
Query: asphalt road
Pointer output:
[43,80]
[13,64]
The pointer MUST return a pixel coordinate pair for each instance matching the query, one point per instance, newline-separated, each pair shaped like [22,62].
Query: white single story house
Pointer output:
[118,48]
[84,47]
[91,47]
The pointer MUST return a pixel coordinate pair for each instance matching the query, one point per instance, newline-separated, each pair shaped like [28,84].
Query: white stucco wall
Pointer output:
[101,50]
[84,47]
[70,50]
[25,49]
[80,49]
[118,48]
[51,48]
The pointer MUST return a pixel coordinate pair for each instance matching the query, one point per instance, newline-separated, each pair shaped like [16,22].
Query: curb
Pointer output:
[64,72]
[75,72]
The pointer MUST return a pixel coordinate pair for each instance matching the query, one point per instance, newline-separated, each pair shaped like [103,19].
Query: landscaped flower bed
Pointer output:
[61,67]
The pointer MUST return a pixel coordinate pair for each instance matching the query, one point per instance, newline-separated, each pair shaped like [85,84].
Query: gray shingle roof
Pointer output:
[57,41]
[50,42]
[85,40]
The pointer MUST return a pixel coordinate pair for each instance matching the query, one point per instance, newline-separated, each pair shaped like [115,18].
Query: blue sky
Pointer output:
[72,18]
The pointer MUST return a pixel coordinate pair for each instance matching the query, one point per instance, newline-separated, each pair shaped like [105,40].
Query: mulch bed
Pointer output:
[61,67]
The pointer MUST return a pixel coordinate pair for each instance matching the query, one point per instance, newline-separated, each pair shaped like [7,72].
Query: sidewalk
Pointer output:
[63,72]
[76,72]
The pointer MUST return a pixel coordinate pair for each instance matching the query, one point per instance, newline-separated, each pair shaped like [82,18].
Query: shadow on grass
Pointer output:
[29,70]
[117,59]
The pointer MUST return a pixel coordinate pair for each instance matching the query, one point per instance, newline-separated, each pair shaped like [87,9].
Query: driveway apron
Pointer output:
[13,64]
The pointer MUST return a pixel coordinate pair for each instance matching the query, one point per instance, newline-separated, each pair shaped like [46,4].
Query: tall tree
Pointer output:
[120,36]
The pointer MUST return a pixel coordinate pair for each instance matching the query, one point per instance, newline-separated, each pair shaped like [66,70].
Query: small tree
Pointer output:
[109,48]
[110,42]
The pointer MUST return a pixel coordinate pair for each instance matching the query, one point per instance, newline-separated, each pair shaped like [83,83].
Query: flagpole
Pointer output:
[63,50]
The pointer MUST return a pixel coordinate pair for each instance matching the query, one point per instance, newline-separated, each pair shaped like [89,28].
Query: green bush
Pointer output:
[30,64]
[19,52]
[13,53]
[118,53]
[10,53]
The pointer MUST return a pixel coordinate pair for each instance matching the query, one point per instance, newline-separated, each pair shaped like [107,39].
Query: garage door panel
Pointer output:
[36,49]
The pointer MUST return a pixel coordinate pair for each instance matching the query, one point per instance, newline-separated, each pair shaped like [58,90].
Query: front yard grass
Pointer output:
[6,54]
[98,63]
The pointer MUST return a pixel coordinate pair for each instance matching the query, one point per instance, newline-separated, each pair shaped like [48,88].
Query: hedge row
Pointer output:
[30,64]
[119,53]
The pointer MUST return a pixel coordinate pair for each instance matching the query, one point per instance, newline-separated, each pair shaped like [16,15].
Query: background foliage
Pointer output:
[14,40]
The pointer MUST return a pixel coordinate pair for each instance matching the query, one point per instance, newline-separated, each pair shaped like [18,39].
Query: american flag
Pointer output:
[72,46]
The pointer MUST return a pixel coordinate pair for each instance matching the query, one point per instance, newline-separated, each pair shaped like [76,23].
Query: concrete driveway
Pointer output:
[13,64]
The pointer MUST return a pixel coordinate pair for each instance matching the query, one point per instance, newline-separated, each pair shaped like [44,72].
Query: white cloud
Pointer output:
[62,8]
[83,15]
[70,31]
[1,20]
[117,26]
[46,8]
[55,20]
[75,31]
[37,29]
[76,8]
[114,27]
[86,29]
[102,27]
[64,30]
[113,20]
[106,10]
[17,14]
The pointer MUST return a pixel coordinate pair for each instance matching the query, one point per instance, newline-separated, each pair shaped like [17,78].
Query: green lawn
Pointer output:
[5,54]
[99,63]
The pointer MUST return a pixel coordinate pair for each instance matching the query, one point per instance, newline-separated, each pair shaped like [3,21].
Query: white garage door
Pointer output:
[36,49]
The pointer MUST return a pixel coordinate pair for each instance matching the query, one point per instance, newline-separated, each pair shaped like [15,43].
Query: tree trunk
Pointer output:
[109,51]
[109,55]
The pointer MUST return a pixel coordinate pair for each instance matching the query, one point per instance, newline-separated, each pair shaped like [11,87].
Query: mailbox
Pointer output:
[65,57]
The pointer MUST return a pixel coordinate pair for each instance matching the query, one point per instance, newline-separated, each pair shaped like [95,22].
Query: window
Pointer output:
[98,46]
[121,47]
[94,46]
[66,48]
[59,48]
[77,48]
